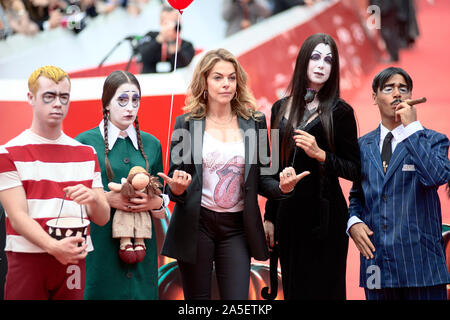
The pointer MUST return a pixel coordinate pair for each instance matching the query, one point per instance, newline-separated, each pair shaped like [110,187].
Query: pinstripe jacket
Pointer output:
[403,210]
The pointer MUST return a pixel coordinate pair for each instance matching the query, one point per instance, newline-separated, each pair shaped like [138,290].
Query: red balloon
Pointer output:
[180,4]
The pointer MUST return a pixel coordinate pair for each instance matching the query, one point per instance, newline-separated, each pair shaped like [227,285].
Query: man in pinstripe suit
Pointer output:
[395,214]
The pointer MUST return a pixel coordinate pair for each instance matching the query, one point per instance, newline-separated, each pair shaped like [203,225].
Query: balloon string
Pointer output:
[171,99]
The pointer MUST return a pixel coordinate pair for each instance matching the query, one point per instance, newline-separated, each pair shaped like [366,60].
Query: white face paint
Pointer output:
[319,67]
[124,106]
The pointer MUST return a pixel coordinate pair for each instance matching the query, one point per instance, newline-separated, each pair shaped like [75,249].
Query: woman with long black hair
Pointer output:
[318,134]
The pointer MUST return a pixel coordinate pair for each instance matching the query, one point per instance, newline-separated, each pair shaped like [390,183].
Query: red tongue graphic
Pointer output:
[228,191]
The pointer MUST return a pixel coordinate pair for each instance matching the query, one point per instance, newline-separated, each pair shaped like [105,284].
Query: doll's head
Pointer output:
[139,179]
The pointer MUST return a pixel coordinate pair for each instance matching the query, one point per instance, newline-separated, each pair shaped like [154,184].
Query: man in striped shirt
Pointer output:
[38,169]
[395,213]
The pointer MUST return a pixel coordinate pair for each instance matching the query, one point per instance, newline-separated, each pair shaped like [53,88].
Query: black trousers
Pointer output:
[221,244]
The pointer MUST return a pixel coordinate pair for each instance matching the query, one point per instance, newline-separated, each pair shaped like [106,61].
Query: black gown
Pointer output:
[310,226]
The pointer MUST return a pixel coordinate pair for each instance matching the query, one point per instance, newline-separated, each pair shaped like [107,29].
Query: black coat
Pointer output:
[186,144]
[310,225]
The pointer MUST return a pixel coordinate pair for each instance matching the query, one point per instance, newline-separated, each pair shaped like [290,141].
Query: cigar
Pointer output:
[416,101]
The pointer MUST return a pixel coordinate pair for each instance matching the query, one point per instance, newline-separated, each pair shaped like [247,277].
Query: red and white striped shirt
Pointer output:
[44,168]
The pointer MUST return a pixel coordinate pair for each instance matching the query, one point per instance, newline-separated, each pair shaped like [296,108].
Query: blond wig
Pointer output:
[51,72]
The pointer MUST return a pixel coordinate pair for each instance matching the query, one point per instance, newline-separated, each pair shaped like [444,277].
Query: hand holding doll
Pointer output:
[134,221]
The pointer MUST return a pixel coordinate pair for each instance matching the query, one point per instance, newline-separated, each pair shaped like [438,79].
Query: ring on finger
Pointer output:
[288,174]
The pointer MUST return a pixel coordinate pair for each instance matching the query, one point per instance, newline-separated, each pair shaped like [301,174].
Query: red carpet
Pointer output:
[428,63]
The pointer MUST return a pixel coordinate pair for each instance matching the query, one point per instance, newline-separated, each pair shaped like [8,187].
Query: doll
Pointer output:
[134,225]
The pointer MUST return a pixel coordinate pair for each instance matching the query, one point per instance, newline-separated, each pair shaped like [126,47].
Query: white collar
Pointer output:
[396,132]
[114,132]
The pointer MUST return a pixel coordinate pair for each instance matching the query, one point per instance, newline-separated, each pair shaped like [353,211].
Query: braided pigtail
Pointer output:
[141,146]
[109,171]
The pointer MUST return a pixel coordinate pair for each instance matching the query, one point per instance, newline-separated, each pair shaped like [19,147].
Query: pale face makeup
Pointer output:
[124,106]
[50,103]
[319,67]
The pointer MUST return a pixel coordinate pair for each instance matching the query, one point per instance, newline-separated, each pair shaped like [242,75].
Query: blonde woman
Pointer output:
[214,179]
